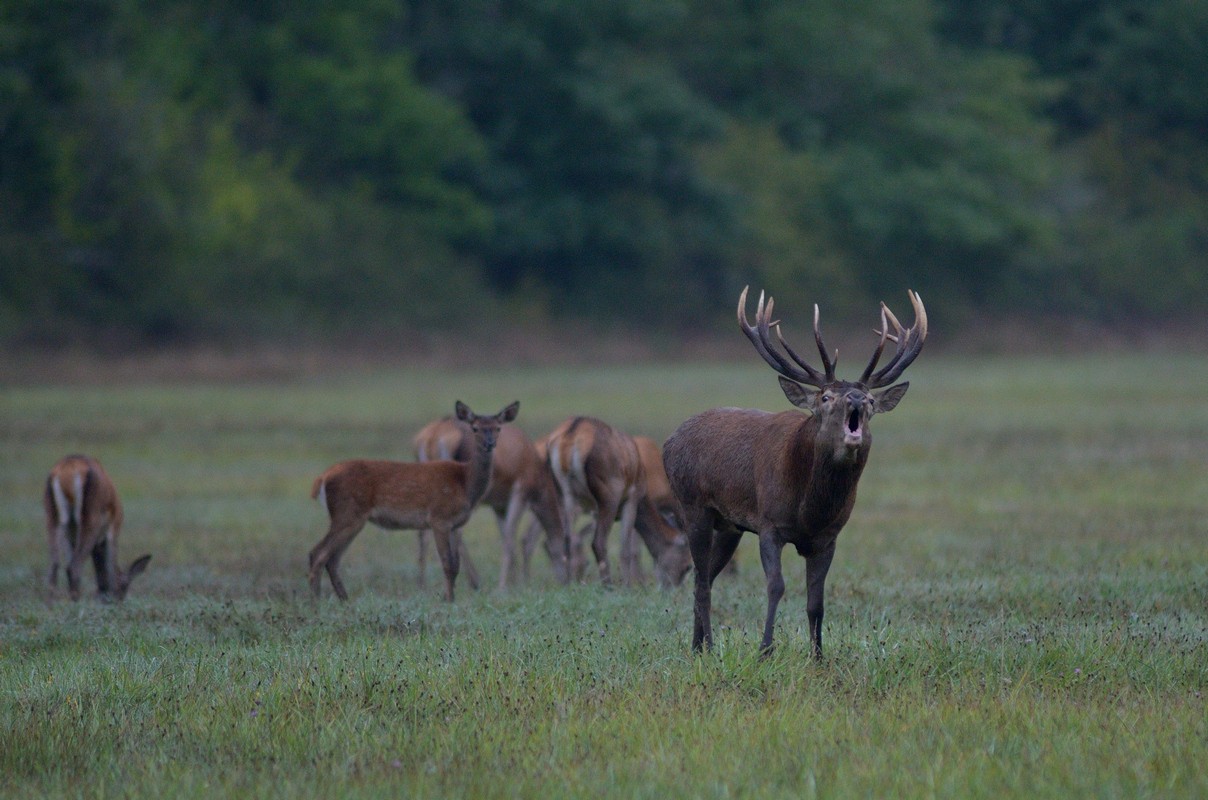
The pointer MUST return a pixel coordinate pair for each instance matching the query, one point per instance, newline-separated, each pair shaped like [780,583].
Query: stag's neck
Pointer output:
[832,486]
[478,473]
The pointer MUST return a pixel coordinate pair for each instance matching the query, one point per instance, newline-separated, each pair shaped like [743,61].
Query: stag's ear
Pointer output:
[509,413]
[137,566]
[463,411]
[888,399]
[798,395]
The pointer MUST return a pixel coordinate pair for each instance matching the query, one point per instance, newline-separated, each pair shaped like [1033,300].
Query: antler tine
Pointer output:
[876,356]
[758,336]
[827,363]
[910,343]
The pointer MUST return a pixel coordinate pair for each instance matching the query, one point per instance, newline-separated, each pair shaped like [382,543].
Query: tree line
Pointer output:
[179,169]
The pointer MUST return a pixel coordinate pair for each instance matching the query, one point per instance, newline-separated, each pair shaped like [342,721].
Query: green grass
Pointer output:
[1018,607]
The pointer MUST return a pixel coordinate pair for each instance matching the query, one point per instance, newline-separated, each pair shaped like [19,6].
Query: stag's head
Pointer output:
[843,408]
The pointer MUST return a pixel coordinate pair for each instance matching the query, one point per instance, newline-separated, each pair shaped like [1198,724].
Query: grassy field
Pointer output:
[1018,607]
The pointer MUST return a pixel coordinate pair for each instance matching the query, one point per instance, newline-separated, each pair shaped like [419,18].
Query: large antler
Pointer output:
[910,344]
[798,370]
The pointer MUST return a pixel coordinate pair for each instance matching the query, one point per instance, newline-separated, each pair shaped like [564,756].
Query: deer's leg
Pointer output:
[60,550]
[447,548]
[700,544]
[770,550]
[328,552]
[816,567]
[575,564]
[725,542]
[102,564]
[528,543]
[605,514]
[421,537]
[80,549]
[631,565]
[463,555]
[507,535]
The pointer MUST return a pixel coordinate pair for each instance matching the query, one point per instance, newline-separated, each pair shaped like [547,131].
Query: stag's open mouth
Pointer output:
[854,435]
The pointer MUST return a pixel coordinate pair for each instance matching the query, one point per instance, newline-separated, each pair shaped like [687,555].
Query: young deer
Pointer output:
[84,517]
[441,440]
[598,469]
[789,478]
[520,480]
[395,495]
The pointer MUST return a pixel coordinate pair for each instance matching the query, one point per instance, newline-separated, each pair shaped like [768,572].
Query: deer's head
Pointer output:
[486,428]
[843,408]
[126,576]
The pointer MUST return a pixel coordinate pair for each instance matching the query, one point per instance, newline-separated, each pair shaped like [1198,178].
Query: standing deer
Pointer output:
[598,469]
[394,495]
[787,477]
[520,480]
[84,517]
[442,440]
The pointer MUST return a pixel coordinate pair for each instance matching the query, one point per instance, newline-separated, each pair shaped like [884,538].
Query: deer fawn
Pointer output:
[84,517]
[520,480]
[787,477]
[598,469]
[438,495]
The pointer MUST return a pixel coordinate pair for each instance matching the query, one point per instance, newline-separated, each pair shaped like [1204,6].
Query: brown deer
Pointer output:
[520,480]
[394,495]
[441,440]
[84,518]
[787,477]
[598,469]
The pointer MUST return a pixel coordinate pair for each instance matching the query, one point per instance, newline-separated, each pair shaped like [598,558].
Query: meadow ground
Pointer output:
[1018,607]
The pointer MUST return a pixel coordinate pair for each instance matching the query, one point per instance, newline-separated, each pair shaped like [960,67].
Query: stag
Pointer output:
[84,518]
[395,495]
[787,477]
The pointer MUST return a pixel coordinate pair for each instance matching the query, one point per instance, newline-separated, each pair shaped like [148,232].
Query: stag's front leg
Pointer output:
[816,567]
[770,550]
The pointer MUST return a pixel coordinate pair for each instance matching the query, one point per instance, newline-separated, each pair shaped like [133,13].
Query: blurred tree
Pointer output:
[927,165]
[597,194]
[1132,119]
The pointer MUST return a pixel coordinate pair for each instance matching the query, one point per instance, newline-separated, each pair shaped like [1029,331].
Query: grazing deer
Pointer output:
[787,477]
[598,469]
[394,495]
[84,517]
[520,480]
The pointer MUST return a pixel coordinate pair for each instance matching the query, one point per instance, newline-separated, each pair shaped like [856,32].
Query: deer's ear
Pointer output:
[463,411]
[798,395]
[888,399]
[138,565]
[509,413]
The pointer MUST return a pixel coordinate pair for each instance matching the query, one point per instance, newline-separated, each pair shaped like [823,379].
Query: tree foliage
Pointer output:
[175,168]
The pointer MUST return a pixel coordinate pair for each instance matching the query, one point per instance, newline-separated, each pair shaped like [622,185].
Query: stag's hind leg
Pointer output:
[699,527]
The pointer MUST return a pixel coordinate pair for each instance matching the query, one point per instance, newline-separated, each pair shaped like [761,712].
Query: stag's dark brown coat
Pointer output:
[790,478]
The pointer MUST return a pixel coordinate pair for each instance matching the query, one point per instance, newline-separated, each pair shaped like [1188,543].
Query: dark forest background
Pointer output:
[181,171]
